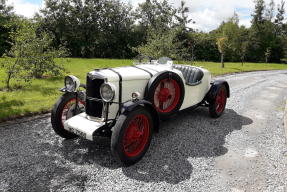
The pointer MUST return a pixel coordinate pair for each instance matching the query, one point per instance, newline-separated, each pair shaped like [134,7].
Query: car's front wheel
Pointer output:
[66,107]
[132,135]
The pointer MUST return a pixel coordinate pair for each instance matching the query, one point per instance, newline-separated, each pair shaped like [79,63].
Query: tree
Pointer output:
[156,15]
[31,55]
[243,43]
[222,43]
[161,44]
[267,54]
[269,13]
[166,29]
[280,18]
[182,16]
[6,26]
[243,51]
[258,15]
[184,31]
[90,28]
[204,46]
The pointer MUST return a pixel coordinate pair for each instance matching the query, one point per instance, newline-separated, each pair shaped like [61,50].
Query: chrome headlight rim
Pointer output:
[112,89]
[72,83]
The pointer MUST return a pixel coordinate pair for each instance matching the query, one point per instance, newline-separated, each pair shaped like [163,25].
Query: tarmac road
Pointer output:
[244,150]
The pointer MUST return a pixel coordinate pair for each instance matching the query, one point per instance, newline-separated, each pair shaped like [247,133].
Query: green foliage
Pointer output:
[167,31]
[90,28]
[32,53]
[223,45]
[6,26]
[203,46]
[161,44]
[156,15]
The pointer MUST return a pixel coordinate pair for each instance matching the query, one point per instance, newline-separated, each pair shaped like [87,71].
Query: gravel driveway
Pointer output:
[244,150]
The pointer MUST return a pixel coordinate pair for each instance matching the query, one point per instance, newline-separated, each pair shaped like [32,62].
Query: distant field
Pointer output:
[40,95]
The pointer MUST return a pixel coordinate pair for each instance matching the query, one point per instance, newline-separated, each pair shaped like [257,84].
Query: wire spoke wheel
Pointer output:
[167,95]
[220,101]
[136,135]
[66,107]
[70,110]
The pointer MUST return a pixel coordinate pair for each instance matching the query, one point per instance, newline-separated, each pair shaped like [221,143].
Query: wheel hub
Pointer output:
[164,95]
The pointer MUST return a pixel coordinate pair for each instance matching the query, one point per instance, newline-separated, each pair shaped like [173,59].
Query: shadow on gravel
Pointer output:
[190,134]
[84,152]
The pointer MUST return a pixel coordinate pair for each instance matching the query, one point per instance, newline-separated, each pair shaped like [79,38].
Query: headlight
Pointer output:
[72,83]
[107,91]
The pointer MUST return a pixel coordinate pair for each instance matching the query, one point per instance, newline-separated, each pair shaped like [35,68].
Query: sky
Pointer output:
[208,14]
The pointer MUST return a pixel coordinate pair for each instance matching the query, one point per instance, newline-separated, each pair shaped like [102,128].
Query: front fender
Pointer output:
[131,105]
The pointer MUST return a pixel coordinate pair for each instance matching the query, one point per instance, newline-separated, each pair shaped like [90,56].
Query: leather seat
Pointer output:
[192,75]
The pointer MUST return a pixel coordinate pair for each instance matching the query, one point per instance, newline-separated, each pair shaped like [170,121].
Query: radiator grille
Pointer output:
[94,108]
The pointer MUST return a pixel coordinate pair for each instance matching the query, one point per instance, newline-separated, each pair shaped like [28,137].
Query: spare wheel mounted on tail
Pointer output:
[166,92]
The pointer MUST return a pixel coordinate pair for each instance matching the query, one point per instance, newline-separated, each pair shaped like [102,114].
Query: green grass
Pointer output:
[41,94]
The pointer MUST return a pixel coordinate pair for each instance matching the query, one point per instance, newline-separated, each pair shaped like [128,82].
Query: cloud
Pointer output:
[22,7]
[208,14]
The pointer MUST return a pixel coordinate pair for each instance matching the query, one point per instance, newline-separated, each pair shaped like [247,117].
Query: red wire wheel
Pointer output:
[62,111]
[136,135]
[220,100]
[217,107]
[131,136]
[68,110]
[166,93]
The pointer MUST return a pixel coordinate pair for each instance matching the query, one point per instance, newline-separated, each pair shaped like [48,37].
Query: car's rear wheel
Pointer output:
[132,135]
[217,106]
[64,109]
[166,94]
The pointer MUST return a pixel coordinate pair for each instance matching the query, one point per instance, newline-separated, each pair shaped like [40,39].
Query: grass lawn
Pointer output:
[41,94]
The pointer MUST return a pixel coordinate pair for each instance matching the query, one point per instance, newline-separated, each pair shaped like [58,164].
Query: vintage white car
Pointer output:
[128,103]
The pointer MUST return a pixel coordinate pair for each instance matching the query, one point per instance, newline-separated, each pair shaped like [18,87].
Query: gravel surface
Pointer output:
[244,150]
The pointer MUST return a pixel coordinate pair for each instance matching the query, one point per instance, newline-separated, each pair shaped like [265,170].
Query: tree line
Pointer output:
[113,29]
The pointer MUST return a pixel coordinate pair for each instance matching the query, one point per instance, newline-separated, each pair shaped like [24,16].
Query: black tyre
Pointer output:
[132,135]
[166,93]
[217,106]
[62,111]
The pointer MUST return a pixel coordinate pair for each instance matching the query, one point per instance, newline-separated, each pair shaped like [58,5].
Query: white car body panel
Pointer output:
[80,124]
[135,80]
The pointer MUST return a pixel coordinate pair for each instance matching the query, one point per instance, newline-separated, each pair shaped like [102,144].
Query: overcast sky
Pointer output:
[207,14]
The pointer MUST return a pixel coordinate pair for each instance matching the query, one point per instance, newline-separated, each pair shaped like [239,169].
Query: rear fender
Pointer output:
[215,86]
[131,105]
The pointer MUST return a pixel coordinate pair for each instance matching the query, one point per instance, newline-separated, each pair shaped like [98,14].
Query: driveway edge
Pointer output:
[25,119]
[285,120]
